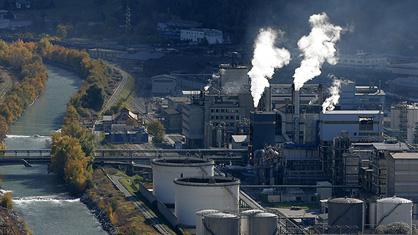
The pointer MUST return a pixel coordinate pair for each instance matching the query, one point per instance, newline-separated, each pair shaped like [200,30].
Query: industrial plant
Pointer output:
[185,117]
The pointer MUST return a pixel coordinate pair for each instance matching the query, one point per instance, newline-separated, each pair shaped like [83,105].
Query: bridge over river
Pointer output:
[122,155]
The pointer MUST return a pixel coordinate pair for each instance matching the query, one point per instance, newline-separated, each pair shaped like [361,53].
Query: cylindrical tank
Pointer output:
[346,214]
[220,224]
[393,209]
[246,217]
[194,194]
[264,224]
[199,219]
[165,170]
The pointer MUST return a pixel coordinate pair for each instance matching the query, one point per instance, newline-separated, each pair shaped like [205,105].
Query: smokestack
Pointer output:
[267,102]
[296,114]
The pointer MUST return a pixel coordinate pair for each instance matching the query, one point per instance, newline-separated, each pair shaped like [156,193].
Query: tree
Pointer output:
[94,98]
[63,30]
[6,200]
[73,128]
[156,129]
[3,128]
[69,162]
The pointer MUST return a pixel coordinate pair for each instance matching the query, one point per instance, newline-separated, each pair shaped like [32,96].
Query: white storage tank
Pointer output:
[221,224]
[264,224]
[165,170]
[194,194]
[346,215]
[246,217]
[393,209]
[199,219]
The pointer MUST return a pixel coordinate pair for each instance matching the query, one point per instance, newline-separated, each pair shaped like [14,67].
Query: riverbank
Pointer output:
[116,214]
[12,223]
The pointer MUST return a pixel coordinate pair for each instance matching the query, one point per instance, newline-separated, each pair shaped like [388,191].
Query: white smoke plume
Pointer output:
[334,90]
[317,47]
[267,57]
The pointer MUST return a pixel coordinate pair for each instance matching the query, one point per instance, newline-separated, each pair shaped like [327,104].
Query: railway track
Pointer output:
[145,211]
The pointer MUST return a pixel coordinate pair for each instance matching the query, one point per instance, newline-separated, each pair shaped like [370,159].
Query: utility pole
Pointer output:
[127,18]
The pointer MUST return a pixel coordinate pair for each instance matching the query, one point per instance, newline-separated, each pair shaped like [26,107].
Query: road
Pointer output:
[149,215]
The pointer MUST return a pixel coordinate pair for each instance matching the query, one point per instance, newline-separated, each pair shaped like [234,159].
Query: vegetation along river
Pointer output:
[39,196]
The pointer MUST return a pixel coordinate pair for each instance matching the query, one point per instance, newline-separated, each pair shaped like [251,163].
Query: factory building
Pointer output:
[164,85]
[298,116]
[404,119]
[289,163]
[266,129]
[402,175]
[360,125]
[302,165]
[193,123]
[373,170]
[352,97]
[361,97]
[339,128]
[221,111]
[281,95]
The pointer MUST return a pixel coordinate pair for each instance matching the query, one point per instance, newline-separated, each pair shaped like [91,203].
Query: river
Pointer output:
[38,196]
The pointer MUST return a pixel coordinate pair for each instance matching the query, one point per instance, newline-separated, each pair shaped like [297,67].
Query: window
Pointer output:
[365,123]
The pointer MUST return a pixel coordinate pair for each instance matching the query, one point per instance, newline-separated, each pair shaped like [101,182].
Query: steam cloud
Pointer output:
[266,59]
[317,47]
[334,90]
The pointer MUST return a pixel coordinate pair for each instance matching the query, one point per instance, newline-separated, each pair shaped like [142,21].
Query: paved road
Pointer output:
[144,209]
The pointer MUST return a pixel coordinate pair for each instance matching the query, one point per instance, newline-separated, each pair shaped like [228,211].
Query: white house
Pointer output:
[213,36]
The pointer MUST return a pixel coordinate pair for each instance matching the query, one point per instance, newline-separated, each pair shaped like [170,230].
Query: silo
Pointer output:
[199,219]
[221,223]
[393,209]
[264,224]
[165,170]
[246,217]
[194,194]
[345,215]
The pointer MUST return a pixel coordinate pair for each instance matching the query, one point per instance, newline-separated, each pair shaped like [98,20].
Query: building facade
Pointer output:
[402,175]
[404,122]
[199,35]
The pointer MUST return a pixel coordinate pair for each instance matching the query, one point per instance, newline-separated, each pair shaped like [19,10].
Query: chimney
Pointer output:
[267,99]
[296,114]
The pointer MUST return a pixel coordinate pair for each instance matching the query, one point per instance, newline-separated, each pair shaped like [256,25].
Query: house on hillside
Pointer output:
[19,4]
[124,127]
[125,117]
[124,134]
